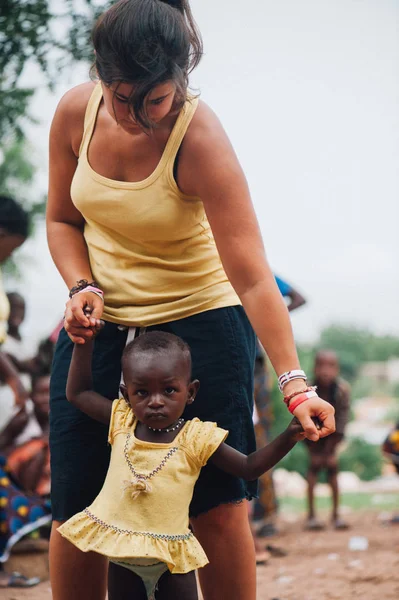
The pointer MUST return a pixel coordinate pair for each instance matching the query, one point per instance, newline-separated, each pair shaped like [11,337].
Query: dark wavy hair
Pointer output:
[146,43]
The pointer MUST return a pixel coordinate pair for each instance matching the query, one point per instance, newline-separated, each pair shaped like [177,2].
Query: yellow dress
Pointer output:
[142,509]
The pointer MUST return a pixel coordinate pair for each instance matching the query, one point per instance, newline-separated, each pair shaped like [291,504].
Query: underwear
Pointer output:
[149,572]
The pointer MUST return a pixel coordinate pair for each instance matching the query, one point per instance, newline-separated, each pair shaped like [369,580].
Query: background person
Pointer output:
[323,455]
[265,507]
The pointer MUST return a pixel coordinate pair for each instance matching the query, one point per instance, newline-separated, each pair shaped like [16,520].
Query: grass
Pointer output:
[387,501]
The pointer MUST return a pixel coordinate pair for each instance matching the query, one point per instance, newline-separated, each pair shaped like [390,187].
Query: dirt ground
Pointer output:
[319,566]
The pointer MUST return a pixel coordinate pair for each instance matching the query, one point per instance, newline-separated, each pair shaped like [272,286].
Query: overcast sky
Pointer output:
[308,92]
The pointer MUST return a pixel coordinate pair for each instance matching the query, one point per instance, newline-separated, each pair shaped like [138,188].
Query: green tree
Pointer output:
[32,32]
[355,346]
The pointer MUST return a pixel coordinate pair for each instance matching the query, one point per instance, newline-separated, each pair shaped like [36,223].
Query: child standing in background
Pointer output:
[323,454]
[140,518]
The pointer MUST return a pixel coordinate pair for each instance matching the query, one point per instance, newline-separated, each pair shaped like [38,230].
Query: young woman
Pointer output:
[148,203]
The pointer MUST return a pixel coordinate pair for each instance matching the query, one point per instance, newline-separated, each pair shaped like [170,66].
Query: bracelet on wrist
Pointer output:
[94,290]
[300,399]
[311,388]
[83,285]
[291,376]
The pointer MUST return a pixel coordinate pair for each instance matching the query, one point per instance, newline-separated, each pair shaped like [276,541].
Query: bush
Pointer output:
[362,458]
[296,460]
[359,456]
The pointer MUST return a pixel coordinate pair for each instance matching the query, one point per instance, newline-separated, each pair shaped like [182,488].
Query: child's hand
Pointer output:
[99,323]
[296,431]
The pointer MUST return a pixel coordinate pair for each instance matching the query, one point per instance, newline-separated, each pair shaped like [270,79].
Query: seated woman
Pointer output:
[29,463]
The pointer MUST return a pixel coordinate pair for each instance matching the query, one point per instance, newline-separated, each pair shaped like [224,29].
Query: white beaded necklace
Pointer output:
[168,429]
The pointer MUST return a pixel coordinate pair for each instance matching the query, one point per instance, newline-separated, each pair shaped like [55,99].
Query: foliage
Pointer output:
[32,33]
[355,346]
[362,458]
[359,456]
[16,173]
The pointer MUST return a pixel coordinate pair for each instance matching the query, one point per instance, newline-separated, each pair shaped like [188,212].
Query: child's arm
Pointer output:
[250,467]
[79,389]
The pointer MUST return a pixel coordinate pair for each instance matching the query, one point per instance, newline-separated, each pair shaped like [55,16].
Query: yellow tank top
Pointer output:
[151,248]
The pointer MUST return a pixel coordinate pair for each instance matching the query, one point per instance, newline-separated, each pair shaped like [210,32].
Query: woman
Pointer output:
[143,185]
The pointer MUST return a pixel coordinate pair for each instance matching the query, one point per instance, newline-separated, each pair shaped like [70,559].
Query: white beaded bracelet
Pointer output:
[291,376]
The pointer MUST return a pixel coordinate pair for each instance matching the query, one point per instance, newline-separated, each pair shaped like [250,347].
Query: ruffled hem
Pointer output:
[182,553]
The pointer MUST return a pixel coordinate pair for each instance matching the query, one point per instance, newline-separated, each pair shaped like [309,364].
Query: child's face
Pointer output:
[326,368]
[158,387]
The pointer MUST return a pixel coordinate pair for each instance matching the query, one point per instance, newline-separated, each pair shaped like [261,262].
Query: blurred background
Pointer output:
[308,92]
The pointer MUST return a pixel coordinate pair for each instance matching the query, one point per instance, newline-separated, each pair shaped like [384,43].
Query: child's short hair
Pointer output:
[158,341]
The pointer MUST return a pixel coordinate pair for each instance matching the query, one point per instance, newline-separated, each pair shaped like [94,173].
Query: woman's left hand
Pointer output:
[316,408]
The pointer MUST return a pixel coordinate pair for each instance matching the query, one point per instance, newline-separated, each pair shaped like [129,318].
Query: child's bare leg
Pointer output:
[312,480]
[314,469]
[173,587]
[332,475]
[226,537]
[123,584]
[333,482]
[75,574]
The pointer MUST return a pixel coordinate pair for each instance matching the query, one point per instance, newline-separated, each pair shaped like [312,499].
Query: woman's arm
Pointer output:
[64,222]
[209,169]
[79,389]
[251,467]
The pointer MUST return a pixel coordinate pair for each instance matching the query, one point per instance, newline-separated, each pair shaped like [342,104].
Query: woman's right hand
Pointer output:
[80,327]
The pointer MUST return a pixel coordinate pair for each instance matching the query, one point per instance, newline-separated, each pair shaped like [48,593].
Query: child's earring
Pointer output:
[193,391]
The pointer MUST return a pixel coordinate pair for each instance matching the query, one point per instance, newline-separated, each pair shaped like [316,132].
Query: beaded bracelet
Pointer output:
[91,288]
[311,388]
[301,398]
[291,376]
[81,285]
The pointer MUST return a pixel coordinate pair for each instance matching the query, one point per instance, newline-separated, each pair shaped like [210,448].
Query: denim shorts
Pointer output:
[222,344]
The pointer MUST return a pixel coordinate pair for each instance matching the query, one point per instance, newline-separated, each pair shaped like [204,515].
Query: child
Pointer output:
[140,518]
[323,454]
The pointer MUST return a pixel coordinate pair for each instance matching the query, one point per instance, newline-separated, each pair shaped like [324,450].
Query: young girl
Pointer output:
[140,518]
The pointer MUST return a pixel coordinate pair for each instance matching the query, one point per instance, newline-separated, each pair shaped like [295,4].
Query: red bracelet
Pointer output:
[301,398]
[287,399]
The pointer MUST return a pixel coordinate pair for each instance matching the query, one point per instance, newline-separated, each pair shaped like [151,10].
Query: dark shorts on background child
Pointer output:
[222,344]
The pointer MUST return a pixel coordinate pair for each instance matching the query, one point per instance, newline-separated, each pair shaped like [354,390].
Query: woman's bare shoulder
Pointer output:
[205,146]
[205,122]
[74,102]
[205,133]
[70,113]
